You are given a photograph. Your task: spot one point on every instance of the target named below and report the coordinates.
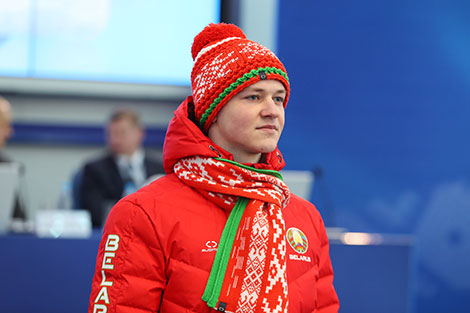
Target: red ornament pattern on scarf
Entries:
(255, 277)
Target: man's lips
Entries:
(268, 127)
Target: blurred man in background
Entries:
(121, 170)
(5, 122)
(6, 131)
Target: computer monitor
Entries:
(299, 182)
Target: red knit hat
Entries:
(225, 63)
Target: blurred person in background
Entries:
(6, 130)
(123, 168)
(5, 123)
(221, 231)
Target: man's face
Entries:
(251, 122)
(5, 124)
(124, 137)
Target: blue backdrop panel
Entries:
(381, 105)
(91, 135)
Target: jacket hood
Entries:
(184, 139)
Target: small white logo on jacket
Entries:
(211, 246)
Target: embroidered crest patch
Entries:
(297, 240)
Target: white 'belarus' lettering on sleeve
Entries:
(103, 281)
(112, 245)
(100, 308)
(107, 260)
(103, 295)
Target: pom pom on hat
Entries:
(225, 63)
(214, 32)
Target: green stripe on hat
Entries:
(234, 85)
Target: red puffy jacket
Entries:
(159, 243)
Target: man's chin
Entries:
(267, 149)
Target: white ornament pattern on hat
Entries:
(205, 49)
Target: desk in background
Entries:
(374, 273)
(54, 275)
(46, 275)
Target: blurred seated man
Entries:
(121, 170)
(5, 133)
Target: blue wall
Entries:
(381, 105)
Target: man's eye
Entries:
(279, 99)
(252, 97)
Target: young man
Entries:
(221, 230)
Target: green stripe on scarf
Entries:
(222, 256)
(216, 278)
(257, 170)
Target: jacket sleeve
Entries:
(130, 266)
(327, 300)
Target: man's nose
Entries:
(270, 108)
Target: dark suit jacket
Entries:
(101, 185)
(18, 210)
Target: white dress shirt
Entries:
(132, 167)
